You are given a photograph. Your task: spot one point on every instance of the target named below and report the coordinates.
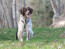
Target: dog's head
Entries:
(26, 11)
(23, 11)
(30, 10)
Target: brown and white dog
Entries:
(21, 23)
(24, 13)
(29, 30)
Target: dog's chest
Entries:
(22, 20)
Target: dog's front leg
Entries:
(20, 37)
(27, 38)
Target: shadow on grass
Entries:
(7, 34)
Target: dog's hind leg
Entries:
(27, 38)
(20, 37)
(29, 35)
(31, 32)
(16, 36)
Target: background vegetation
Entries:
(41, 17)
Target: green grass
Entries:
(44, 38)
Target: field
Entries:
(44, 38)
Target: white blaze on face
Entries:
(27, 14)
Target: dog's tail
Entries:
(16, 34)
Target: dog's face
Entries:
(26, 11)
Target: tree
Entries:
(59, 10)
(14, 13)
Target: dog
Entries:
(29, 30)
(23, 24)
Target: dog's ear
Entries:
(30, 9)
(22, 11)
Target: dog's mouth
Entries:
(28, 15)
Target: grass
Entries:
(44, 38)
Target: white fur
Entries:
(21, 27)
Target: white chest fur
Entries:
(21, 22)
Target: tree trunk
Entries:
(59, 16)
(14, 13)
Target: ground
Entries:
(44, 38)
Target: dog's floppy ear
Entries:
(30, 9)
(22, 11)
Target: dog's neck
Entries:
(22, 17)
